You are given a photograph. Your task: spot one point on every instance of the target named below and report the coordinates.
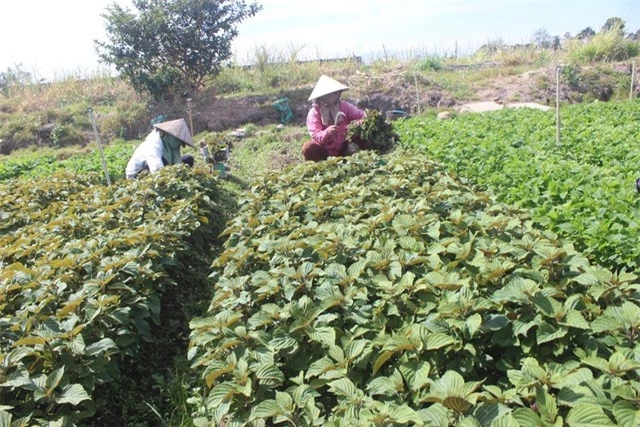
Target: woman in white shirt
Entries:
(160, 148)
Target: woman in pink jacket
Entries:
(327, 121)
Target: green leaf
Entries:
(449, 384)
(521, 328)
(265, 409)
(456, 403)
(398, 343)
(438, 340)
(355, 270)
(626, 413)
(579, 376)
(574, 319)
(548, 333)
(381, 386)
(546, 406)
(436, 415)
(104, 345)
(220, 394)
(404, 415)
(355, 348)
(587, 415)
(5, 419)
(17, 355)
(605, 324)
(320, 366)
(471, 325)
(282, 343)
(54, 378)
(285, 401)
(488, 412)
(381, 360)
(416, 374)
(495, 322)
(343, 387)
(506, 420)
(18, 378)
(269, 375)
(323, 334)
(547, 305)
(526, 417)
(73, 394)
(630, 314)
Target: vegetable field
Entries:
(383, 291)
(479, 275)
(583, 188)
(42, 165)
(83, 270)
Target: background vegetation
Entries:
(54, 114)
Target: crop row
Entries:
(382, 291)
(41, 165)
(83, 269)
(582, 188)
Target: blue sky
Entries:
(55, 38)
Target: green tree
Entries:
(542, 38)
(586, 33)
(13, 77)
(169, 46)
(614, 24)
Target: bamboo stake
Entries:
(415, 76)
(189, 112)
(95, 131)
(633, 79)
(558, 105)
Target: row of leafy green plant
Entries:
(382, 290)
(34, 165)
(582, 188)
(83, 270)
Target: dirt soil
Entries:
(396, 89)
(393, 90)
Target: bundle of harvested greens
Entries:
(375, 129)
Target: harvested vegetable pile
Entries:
(375, 129)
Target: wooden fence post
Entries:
(558, 104)
(633, 79)
(415, 77)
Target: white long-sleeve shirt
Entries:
(148, 154)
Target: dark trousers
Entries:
(315, 152)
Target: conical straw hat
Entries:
(325, 86)
(177, 128)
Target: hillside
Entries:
(404, 87)
(54, 115)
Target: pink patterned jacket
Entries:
(333, 143)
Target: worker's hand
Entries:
(332, 129)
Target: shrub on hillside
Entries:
(604, 46)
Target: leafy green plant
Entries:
(608, 45)
(582, 188)
(380, 290)
(432, 62)
(374, 129)
(73, 311)
(571, 75)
